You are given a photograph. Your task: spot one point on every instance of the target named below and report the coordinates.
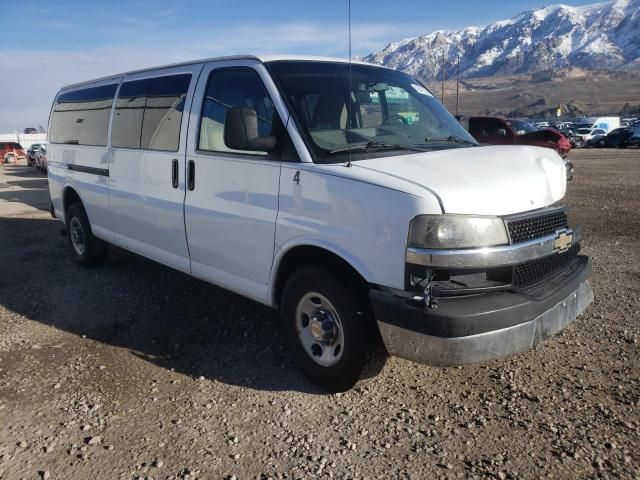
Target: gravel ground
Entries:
(133, 370)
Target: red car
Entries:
(506, 131)
(11, 152)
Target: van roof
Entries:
(260, 58)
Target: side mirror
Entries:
(501, 132)
(241, 132)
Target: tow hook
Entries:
(426, 301)
(430, 302)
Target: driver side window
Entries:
(228, 88)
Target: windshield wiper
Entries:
(451, 139)
(373, 144)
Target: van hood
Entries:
(491, 180)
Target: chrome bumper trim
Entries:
(449, 351)
(488, 257)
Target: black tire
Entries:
(360, 337)
(95, 250)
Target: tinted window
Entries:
(127, 121)
(163, 112)
(226, 89)
(485, 127)
(81, 117)
(149, 113)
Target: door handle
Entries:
(191, 174)
(174, 173)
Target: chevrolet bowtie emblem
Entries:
(562, 241)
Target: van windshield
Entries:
(382, 112)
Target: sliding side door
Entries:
(146, 172)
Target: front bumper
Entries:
(477, 328)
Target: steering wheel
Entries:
(395, 118)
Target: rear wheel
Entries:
(10, 158)
(328, 326)
(89, 250)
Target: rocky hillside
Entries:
(598, 36)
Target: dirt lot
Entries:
(133, 370)
(590, 93)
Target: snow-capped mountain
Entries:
(598, 36)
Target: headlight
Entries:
(456, 231)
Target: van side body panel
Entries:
(85, 169)
(360, 222)
(230, 214)
(146, 209)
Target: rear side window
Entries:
(81, 117)
(228, 88)
(127, 121)
(163, 112)
(149, 113)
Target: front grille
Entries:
(535, 270)
(537, 226)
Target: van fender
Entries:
(308, 241)
(65, 187)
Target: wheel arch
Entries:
(314, 254)
(70, 195)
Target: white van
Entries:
(344, 195)
(607, 124)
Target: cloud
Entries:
(32, 77)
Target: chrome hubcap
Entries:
(77, 236)
(319, 329)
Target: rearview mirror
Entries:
(241, 132)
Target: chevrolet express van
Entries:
(344, 195)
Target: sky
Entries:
(48, 44)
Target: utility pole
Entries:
(457, 83)
(443, 69)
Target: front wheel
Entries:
(89, 250)
(328, 326)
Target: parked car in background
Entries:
(587, 134)
(29, 130)
(41, 158)
(572, 135)
(31, 153)
(562, 125)
(618, 138)
(11, 152)
(505, 131)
